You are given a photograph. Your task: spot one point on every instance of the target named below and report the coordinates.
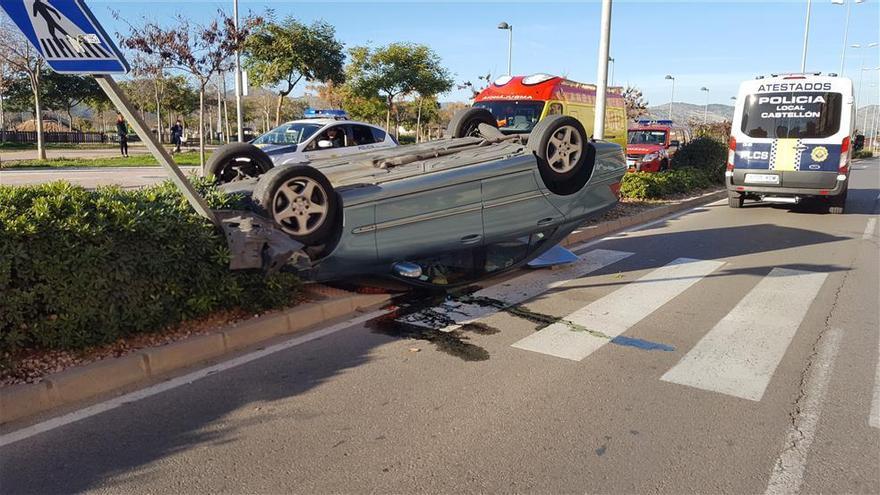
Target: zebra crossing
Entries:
(736, 357)
(62, 48)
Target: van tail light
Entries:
(844, 157)
(731, 154)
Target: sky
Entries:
(709, 44)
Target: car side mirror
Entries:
(325, 143)
(674, 143)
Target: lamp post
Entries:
(845, 30)
(861, 68)
(706, 107)
(806, 37)
(509, 28)
(672, 99)
(602, 71)
(239, 113)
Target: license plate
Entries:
(762, 178)
(630, 163)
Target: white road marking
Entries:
(788, 472)
(514, 291)
(615, 313)
(739, 355)
(115, 402)
(874, 418)
(869, 229)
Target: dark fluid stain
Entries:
(633, 432)
(479, 328)
(601, 450)
(645, 345)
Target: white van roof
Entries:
(795, 82)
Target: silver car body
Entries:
(297, 141)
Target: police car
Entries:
(321, 134)
(791, 139)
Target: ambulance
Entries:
(791, 140)
(518, 103)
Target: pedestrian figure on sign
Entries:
(122, 132)
(177, 135)
(45, 11)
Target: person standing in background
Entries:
(177, 135)
(122, 132)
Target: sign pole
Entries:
(125, 107)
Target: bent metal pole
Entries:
(602, 71)
(119, 99)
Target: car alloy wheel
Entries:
(300, 206)
(564, 149)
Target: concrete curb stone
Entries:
(81, 383)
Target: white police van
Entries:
(321, 134)
(791, 139)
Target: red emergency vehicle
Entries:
(650, 145)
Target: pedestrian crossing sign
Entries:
(67, 35)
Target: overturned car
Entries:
(441, 213)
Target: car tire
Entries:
(664, 166)
(301, 202)
(564, 154)
(837, 204)
(735, 200)
(237, 161)
(466, 123)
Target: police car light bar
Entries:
(311, 113)
(654, 122)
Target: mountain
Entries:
(682, 112)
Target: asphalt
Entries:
(387, 407)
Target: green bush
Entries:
(650, 185)
(703, 153)
(863, 153)
(81, 268)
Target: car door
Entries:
(514, 206)
(313, 152)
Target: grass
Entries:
(185, 159)
(57, 146)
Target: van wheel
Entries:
(301, 201)
(237, 161)
(466, 123)
(564, 154)
(735, 200)
(838, 203)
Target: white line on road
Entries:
(788, 472)
(615, 313)
(514, 291)
(869, 229)
(739, 355)
(874, 418)
(99, 408)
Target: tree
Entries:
(17, 54)
(483, 83)
(6, 76)
(395, 70)
(366, 108)
(636, 105)
(281, 55)
(64, 92)
(201, 51)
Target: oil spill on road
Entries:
(455, 343)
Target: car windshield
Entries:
(646, 137)
(288, 134)
(792, 115)
(515, 116)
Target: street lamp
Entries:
(806, 37)
(671, 100)
(706, 108)
(861, 69)
(602, 71)
(239, 112)
(845, 30)
(509, 29)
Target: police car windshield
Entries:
(647, 137)
(515, 116)
(792, 115)
(288, 134)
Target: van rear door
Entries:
(794, 135)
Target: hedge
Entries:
(81, 268)
(863, 154)
(703, 153)
(650, 185)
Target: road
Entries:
(720, 351)
(91, 177)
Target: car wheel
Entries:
(564, 154)
(664, 165)
(837, 204)
(735, 200)
(466, 123)
(237, 161)
(301, 201)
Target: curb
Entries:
(86, 382)
(81, 383)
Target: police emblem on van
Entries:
(819, 154)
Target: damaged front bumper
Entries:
(256, 243)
